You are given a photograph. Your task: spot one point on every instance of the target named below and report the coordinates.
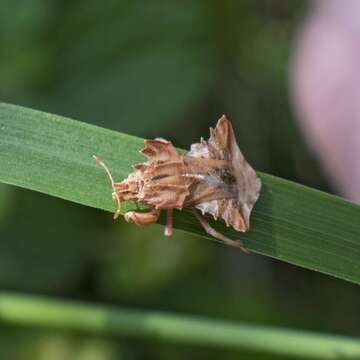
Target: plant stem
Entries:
(103, 320)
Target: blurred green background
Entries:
(169, 69)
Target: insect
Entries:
(212, 178)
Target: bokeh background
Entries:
(169, 69)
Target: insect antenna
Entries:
(114, 194)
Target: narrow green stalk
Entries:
(102, 320)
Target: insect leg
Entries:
(211, 231)
(169, 222)
(142, 218)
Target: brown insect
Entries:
(212, 177)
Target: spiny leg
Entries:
(169, 222)
(211, 231)
(114, 194)
(143, 218)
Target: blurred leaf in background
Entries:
(127, 65)
(170, 70)
(137, 268)
(23, 26)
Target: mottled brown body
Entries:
(212, 177)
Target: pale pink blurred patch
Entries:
(325, 83)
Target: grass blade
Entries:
(291, 222)
(76, 316)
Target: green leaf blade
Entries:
(290, 222)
